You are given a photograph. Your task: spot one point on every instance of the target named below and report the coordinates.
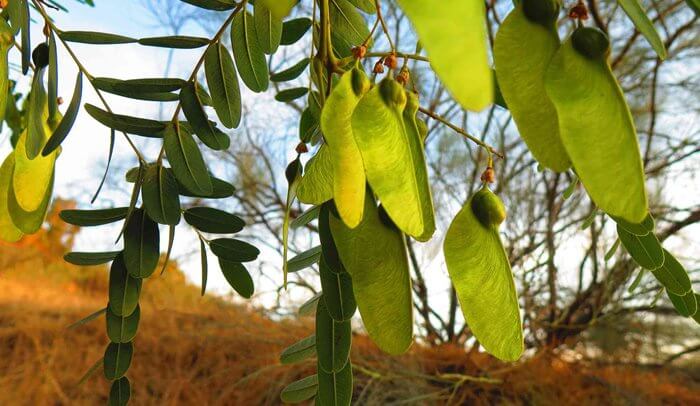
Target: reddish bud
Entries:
(391, 62)
(378, 67)
(578, 12)
(302, 148)
(489, 176)
(404, 76)
(359, 52)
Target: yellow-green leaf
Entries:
(348, 172)
(31, 178)
(394, 159)
(522, 51)
(481, 274)
(8, 230)
(382, 288)
(597, 131)
(268, 26)
(453, 33)
(636, 13)
(316, 186)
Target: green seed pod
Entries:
(360, 82)
(543, 12)
(488, 208)
(590, 42)
(392, 93)
(40, 55)
(293, 171)
(385, 219)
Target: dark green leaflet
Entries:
(210, 220)
(26, 37)
(290, 73)
(294, 93)
(175, 41)
(643, 228)
(120, 392)
(673, 276)
(293, 30)
(238, 277)
(330, 251)
(217, 5)
(205, 264)
(686, 305)
(349, 27)
(308, 126)
(309, 307)
(232, 250)
(299, 351)
(171, 241)
(124, 290)
(160, 195)
(187, 161)
(66, 124)
(53, 78)
(36, 135)
(250, 58)
(268, 28)
(335, 388)
(87, 319)
(644, 249)
(139, 86)
(197, 118)
(141, 245)
(220, 190)
(112, 137)
(117, 360)
(92, 37)
(89, 218)
(122, 329)
(333, 340)
(365, 5)
(337, 293)
(128, 124)
(301, 390)
(90, 258)
(223, 84)
(304, 259)
(306, 217)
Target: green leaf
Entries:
(329, 250)
(301, 390)
(220, 190)
(304, 259)
(250, 58)
(92, 37)
(175, 41)
(91, 218)
(127, 124)
(133, 87)
(120, 392)
(309, 307)
(449, 30)
(66, 124)
(335, 388)
(612, 250)
(646, 249)
(299, 351)
(53, 78)
(337, 293)
(159, 193)
(365, 5)
(348, 172)
(673, 276)
(28, 221)
(25, 22)
(112, 139)
(333, 340)
(6, 43)
(308, 126)
(290, 73)
(232, 250)
(90, 258)
(268, 28)
(293, 30)
(305, 217)
(645, 227)
(382, 289)
(14, 13)
(393, 157)
(480, 272)
(171, 241)
(522, 51)
(238, 277)
(122, 329)
(294, 93)
(117, 360)
(223, 84)
(36, 119)
(686, 305)
(187, 161)
(125, 88)
(210, 220)
(216, 5)
(141, 245)
(636, 13)
(197, 118)
(316, 185)
(637, 280)
(349, 26)
(88, 318)
(9, 232)
(205, 266)
(31, 178)
(598, 133)
(124, 290)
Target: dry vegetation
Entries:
(194, 350)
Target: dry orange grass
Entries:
(205, 351)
